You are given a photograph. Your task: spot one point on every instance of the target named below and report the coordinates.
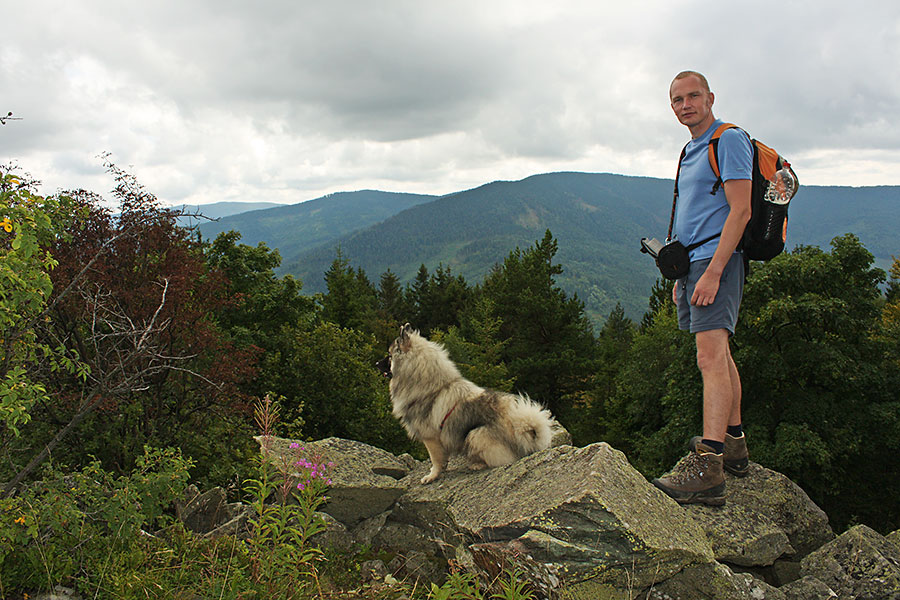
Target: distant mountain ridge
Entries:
(297, 228)
(597, 218)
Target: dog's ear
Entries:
(405, 332)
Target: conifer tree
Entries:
(390, 297)
(550, 348)
(477, 348)
(351, 297)
(660, 300)
(438, 299)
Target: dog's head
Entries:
(400, 345)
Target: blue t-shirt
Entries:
(699, 214)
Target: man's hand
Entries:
(706, 289)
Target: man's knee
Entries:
(712, 350)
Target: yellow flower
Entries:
(6, 224)
(20, 521)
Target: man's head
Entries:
(692, 101)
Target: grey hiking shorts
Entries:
(723, 312)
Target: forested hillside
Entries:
(820, 213)
(598, 219)
(298, 228)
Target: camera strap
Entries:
(675, 194)
(675, 201)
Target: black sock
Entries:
(735, 431)
(717, 447)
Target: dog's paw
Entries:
(430, 477)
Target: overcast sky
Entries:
(288, 100)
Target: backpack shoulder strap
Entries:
(713, 151)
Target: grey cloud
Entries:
(268, 97)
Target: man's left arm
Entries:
(737, 194)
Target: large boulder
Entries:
(894, 537)
(334, 535)
(808, 588)
(210, 515)
(591, 521)
(713, 581)
(201, 512)
(858, 564)
(766, 517)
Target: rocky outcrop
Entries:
(365, 479)
(768, 524)
(766, 517)
(858, 564)
(581, 523)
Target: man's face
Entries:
(691, 102)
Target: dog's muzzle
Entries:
(384, 365)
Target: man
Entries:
(708, 298)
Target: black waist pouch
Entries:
(673, 260)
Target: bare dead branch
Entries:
(159, 308)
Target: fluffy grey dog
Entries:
(451, 415)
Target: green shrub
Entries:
(73, 527)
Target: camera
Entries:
(651, 246)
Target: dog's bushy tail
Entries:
(531, 425)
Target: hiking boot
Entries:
(697, 478)
(737, 459)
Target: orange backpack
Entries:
(774, 184)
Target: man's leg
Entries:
(721, 384)
(735, 417)
(737, 458)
